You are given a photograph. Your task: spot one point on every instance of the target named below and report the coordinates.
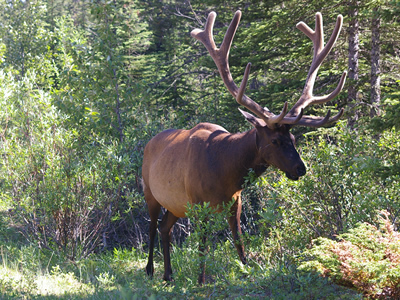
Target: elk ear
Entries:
(256, 122)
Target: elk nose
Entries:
(301, 170)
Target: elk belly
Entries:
(169, 190)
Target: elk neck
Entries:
(240, 155)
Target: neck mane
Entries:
(240, 155)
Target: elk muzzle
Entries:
(299, 171)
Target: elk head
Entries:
(275, 143)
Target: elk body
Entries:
(208, 164)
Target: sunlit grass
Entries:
(56, 283)
(29, 273)
(121, 275)
(59, 283)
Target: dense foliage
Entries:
(367, 258)
(85, 84)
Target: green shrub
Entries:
(347, 180)
(62, 194)
(204, 222)
(366, 258)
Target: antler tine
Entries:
(329, 97)
(320, 53)
(293, 120)
(220, 57)
(272, 119)
(312, 121)
(205, 36)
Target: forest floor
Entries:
(29, 273)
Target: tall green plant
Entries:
(64, 194)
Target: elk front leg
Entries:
(234, 223)
(166, 225)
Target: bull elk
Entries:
(208, 164)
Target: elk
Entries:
(208, 164)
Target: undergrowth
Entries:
(121, 275)
(366, 258)
(27, 272)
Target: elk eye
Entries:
(275, 142)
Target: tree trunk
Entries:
(375, 63)
(354, 47)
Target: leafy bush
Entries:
(207, 228)
(366, 258)
(345, 184)
(63, 194)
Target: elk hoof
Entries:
(202, 279)
(150, 270)
(168, 277)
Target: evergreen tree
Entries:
(375, 61)
(26, 38)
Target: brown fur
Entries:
(208, 164)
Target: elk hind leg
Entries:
(234, 223)
(154, 211)
(166, 226)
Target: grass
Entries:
(29, 273)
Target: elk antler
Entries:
(295, 116)
(220, 57)
(320, 53)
